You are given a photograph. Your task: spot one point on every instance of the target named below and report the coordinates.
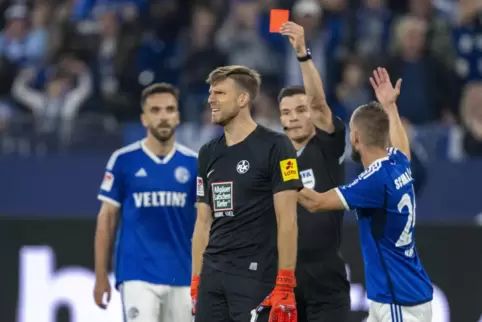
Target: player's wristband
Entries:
(304, 58)
(286, 278)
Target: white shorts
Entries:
(145, 302)
(380, 312)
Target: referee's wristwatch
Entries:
(305, 57)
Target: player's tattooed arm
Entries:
(318, 202)
(285, 208)
(201, 236)
(387, 96)
(321, 112)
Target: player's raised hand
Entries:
(102, 288)
(296, 36)
(384, 90)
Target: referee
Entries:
(322, 292)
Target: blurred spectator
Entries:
(21, 42)
(64, 36)
(467, 141)
(165, 18)
(6, 114)
(448, 8)
(467, 35)
(427, 92)
(334, 6)
(266, 112)
(8, 72)
(129, 44)
(156, 58)
(197, 58)
(239, 39)
(372, 28)
(57, 106)
(114, 67)
(194, 135)
(468, 11)
(353, 90)
(83, 9)
(419, 159)
(472, 119)
(219, 7)
(438, 35)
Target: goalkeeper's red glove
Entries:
(281, 300)
(194, 288)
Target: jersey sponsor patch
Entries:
(308, 178)
(200, 187)
(107, 182)
(289, 169)
(222, 196)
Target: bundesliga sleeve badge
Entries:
(200, 187)
(107, 182)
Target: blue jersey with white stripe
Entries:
(384, 199)
(157, 199)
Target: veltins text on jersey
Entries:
(159, 199)
(223, 199)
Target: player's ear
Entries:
(354, 140)
(143, 119)
(178, 118)
(243, 99)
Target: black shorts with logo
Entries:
(223, 297)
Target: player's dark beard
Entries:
(161, 137)
(355, 155)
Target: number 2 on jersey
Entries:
(406, 235)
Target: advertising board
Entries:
(47, 268)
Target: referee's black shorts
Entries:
(223, 297)
(322, 292)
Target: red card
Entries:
(278, 17)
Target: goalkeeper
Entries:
(244, 243)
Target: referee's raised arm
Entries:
(321, 112)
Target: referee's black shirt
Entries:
(321, 167)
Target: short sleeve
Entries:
(398, 156)
(201, 182)
(111, 188)
(283, 166)
(336, 140)
(366, 191)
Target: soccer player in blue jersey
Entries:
(148, 207)
(383, 196)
